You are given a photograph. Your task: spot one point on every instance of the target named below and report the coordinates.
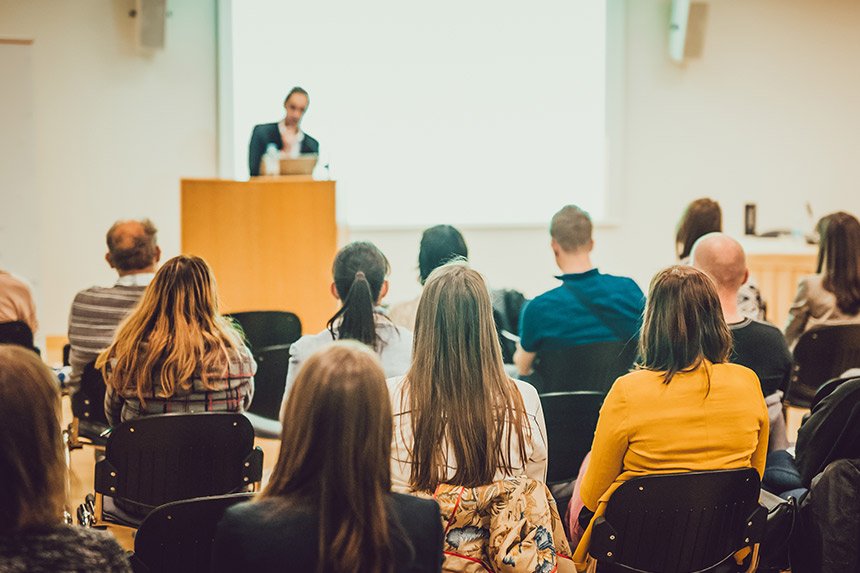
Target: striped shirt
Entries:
(95, 315)
(232, 392)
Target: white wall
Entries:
(768, 115)
(115, 130)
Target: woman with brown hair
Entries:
(686, 408)
(458, 418)
(328, 506)
(701, 217)
(33, 470)
(832, 296)
(175, 352)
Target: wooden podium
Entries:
(270, 242)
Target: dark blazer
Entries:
(265, 536)
(267, 133)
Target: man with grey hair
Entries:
(97, 311)
(757, 345)
(588, 307)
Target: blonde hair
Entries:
(458, 391)
(174, 334)
(32, 465)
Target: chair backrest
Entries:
(679, 523)
(158, 459)
(583, 367)
(264, 328)
(178, 536)
(16, 332)
(88, 402)
(270, 380)
(821, 354)
(571, 418)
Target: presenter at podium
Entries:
(285, 134)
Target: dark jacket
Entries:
(266, 536)
(267, 133)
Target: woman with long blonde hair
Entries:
(175, 352)
(328, 506)
(458, 418)
(33, 470)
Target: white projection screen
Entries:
(485, 112)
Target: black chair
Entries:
(177, 536)
(88, 411)
(583, 367)
(264, 328)
(18, 333)
(269, 384)
(159, 459)
(821, 354)
(679, 523)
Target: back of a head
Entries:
(701, 217)
(722, 258)
(32, 467)
(132, 245)
(175, 332)
(336, 452)
(359, 272)
(439, 245)
(457, 384)
(571, 228)
(839, 259)
(683, 323)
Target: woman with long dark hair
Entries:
(832, 296)
(175, 352)
(360, 272)
(685, 408)
(328, 506)
(33, 473)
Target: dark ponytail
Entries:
(359, 272)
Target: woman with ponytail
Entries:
(359, 271)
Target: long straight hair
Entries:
(174, 334)
(359, 271)
(701, 217)
(683, 323)
(337, 457)
(32, 466)
(457, 388)
(839, 259)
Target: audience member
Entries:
(16, 301)
(458, 418)
(33, 538)
(832, 432)
(360, 270)
(757, 345)
(704, 216)
(588, 307)
(328, 505)
(832, 296)
(439, 245)
(97, 311)
(175, 352)
(687, 408)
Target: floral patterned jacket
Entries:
(508, 526)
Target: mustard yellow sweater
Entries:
(647, 427)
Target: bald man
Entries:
(757, 345)
(97, 311)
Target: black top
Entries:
(265, 536)
(832, 431)
(267, 133)
(761, 347)
(61, 548)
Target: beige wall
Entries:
(115, 130)
(768, 115)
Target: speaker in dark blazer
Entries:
(267, 133)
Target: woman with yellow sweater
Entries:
(685, 408)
